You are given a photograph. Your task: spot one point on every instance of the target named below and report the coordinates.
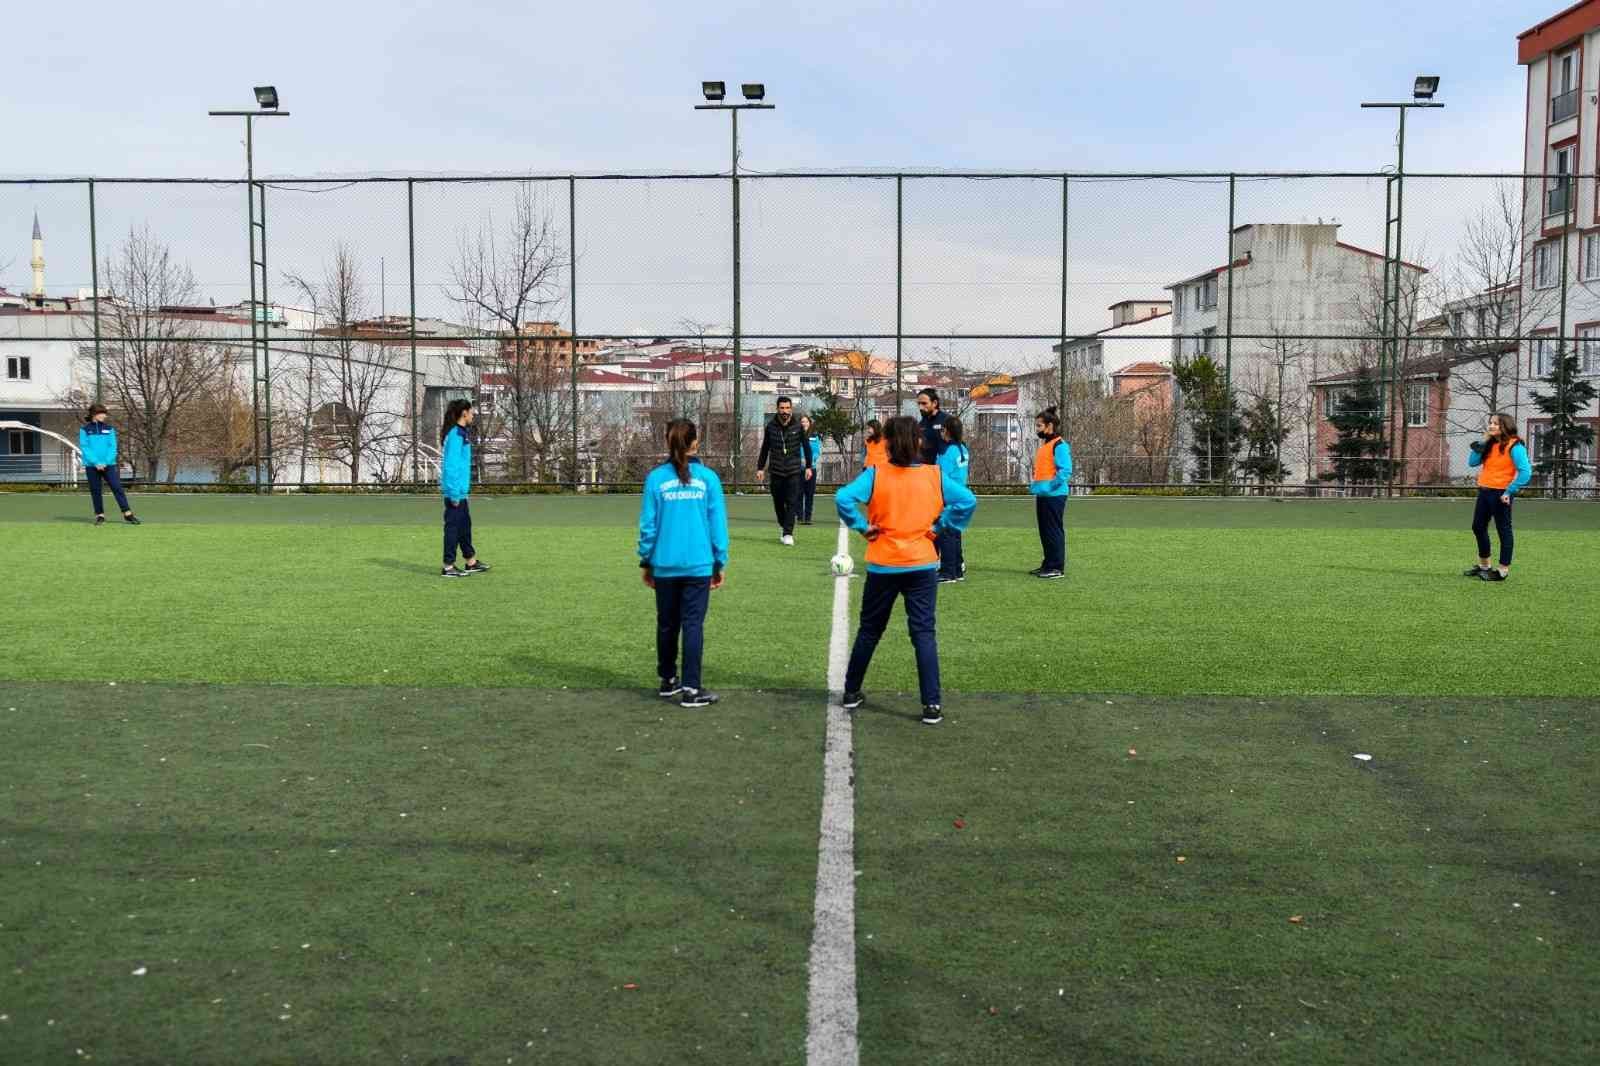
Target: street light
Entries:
(260, 343)
(1422, 91)
(754, 93)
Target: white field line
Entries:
(832, 1014)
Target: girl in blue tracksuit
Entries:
(1052, 469)
(683, 551)
(97, 444)
(954, 463)
(808, 488)
(455, 482)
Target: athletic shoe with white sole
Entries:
(451, 571)
(932, 714)
(132, 520)
(787, 539)
(1492, 574)
(99, 519)
(479, 567)
(1474, 571)
(852, 700)
(698, 697)
(1049, 575)
(670, 687)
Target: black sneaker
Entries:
(932, 714)
(99, 519)
(1492, 574)
(1474, 571)
(132, 520)
(479, 567)
(1050, 575)
(1036, 571)
(852, 700)
(945, 579)
(451, 571)
(698, 697)
(670, 687)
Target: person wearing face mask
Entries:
(1052, 467)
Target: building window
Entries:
(1544, 356)
(1458, 323)
(1207, 342)
(1589, 257)
(1544, 445)
(1544, 265)
(1334, 401)
(23, 442)
(1483, 322)
(1208, 292)
(19, 368)
(1564, 88)
(1416, 403)
(1589, 350)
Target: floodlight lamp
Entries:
(267, 97)
(714, 90)
(754, 90)
(1426, 85)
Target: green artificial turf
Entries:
(1446, 890)
(315, 875)
(1255, 597)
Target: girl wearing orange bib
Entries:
(1503, 468)
(877, 447)
(900, 508)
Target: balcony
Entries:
(1558, 198)
(1564, 106)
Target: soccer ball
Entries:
(842, 565)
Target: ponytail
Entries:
(1050, 418)
(452, 418)
(681, 436)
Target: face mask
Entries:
(1045, 434)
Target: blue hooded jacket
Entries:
(954, 462)
(98, 443)
(683, 529)
(455, 473)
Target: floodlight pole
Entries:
(738, 428)
(259, 348)
(1389, 306)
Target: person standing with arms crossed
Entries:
(455, 484)
(1052, 469)
(785, 448)
(900, 508)
(954, 464)
(97, 445)
(1503, 468)
(683, 551)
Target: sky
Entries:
(501, 87)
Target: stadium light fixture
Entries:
(267, 97)
(754, 91)
(1426, 85)
(714, 90)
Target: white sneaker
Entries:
(787, 539)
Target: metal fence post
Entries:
(572, 296)
(1061, 363)
(266, 339)
(1227, 348)
(411, 269)
(94, 282)
(899, 285)
(738, 425)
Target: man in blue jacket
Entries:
(455, 484)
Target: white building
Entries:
(1140, 332)
(1296, 289)
(1561, 209)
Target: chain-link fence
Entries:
(1264, 333)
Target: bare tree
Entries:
(351, 396)
(1487, 309)
(155, 360)
(506, 275)
(1418, 290)
(1280, 381)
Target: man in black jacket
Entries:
(933, 441)
(788, 450)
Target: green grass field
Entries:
(337, 809)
